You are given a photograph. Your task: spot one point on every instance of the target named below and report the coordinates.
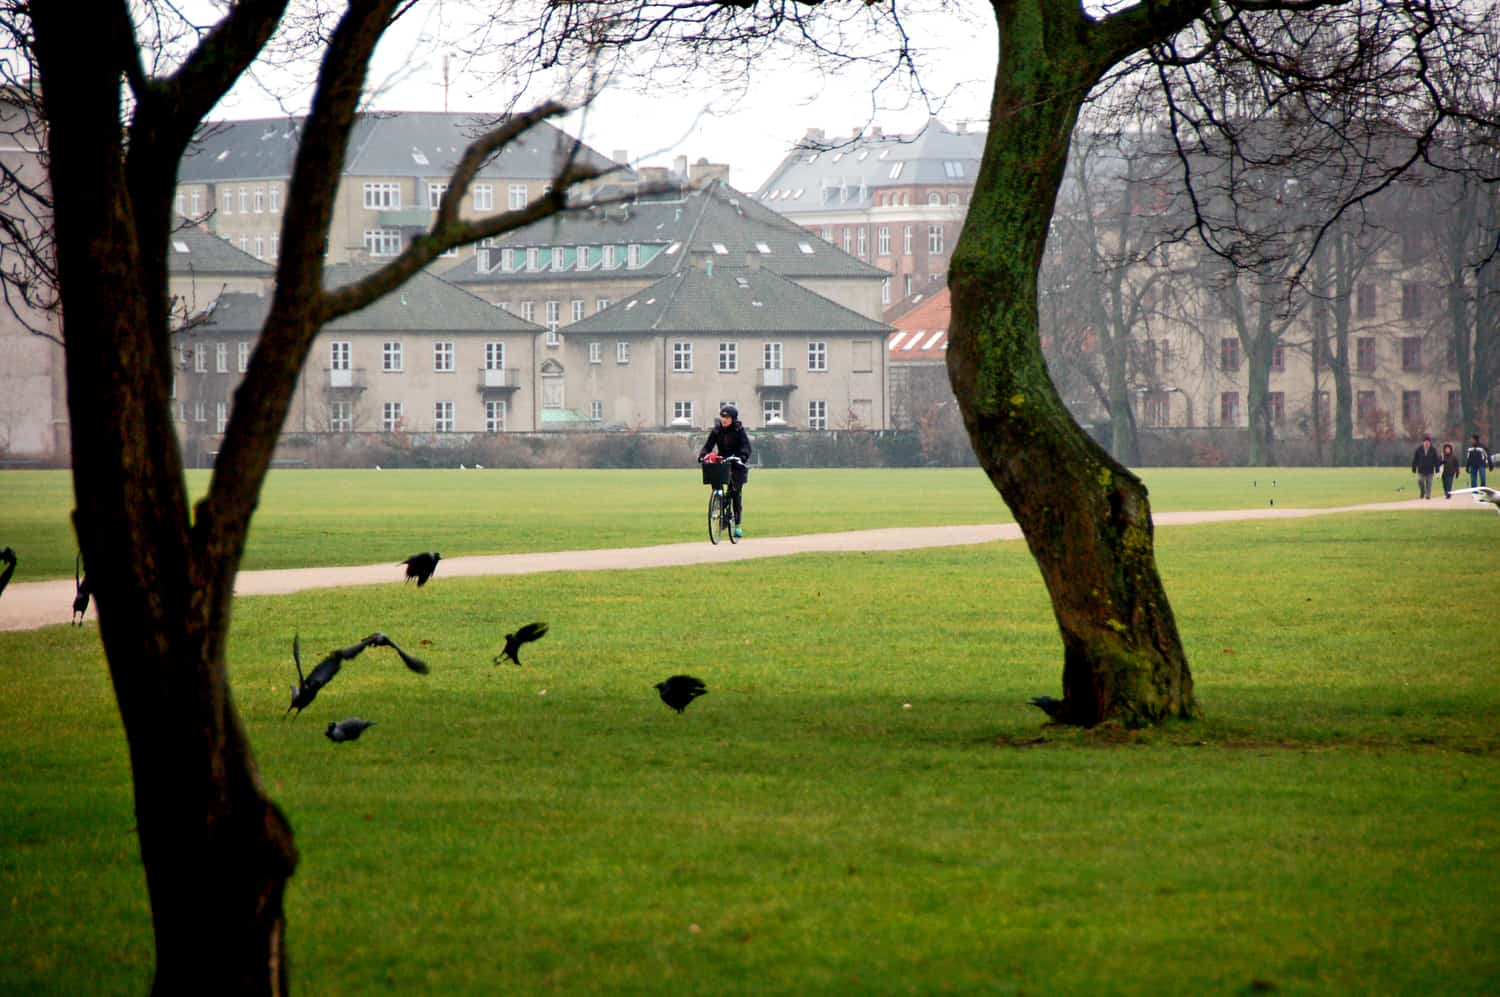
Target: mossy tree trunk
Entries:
(1086, 518)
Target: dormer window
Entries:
(633, 255)
(559, 257)
(611, 257)
(533, 259)
(762, 248)
(583, 257)
(507, 260)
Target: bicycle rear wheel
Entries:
(716, 515)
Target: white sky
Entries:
(956, 54)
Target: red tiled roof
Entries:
(921, 333)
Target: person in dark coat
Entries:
(1476, 461)
(1450, 469)
(730, 439)
(1424, 464)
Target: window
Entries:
(494, 417)
(935, 239)
(1278, 357)
(1364, 302)
(1325, 409)
(435, 192)
(817, 356)
(633, 255)
(228, 209)
(559, 257)
(827, 233)
(773, 411)
(260, 247)
(1229, 353)
(528, 310)
(382, 195)
(221, 358)
(494, 356)
(391, 417)
(242, 359)
(341, 417)
(1364, 407)
(390, 356)
(906, 241)
(611, 257)
(577, 309)
(275, 245)
(596, 352)
(1364, 355)
(554, 315)
(622, 352)
(682, 412)
(1455, 408)
(906, 285)
(533, 259)
(200, 359)
(1411, 301)
(442, 357)
(883, 241)
(1156, 408)
(771, 354)
(1411, 353)
(596, 410)
(682, 357)
(552, 338)
(442, 417)
(196, 200)
(817, 414)
(1229, 408)
(244, 201)
(199, 412)
(1276, 407)
(600, 304)
(848, 238)
(507, 260)
(729, 358)
(863, 249)
(934, 199)
(484, 197)
(221, 416)
(1411, 407)
(885, 291)
(953, 168)
(553, 392)
(258, 201)
(383, 241)
(517, 195)
(582, 257)
(896, 170)
(338, 356)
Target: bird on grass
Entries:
(306, 689)
(8, 558)
(1050, 705)
(81, 591)
(523, 635)
(421, 566)
(1482, 494)
(347, 730)
(680, 690)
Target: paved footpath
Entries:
(26, 606)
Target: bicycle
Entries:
(720, 506)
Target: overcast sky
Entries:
(955, 53)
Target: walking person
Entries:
(731, 439)
(1424, 464)
(1450, 469)
(1476, 461)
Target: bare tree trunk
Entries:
(1085, 517)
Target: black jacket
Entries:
(1475, 458)
(1426, 461)
(731, 441)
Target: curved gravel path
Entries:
(26, 606)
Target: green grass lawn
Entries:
(314, 518)
(864, 802)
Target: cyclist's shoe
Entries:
(737, 532)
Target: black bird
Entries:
(80, 591)
(7, 556)
(680, 690)
(347, 730)
(421, 566)
(523, 635)
(306, 689)
(1050, 705)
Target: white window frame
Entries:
(484, 197)
(935, 240)
(273, 196)
(221, 416)
(495, 412)
(442, 357)
(600, 304)
(772, 408)
(906, 240)
(682, 357)
(729, 357)
(228, 208)
(516, 196)
(383, 241)
(596, 352)
(200, 411)
(596, 410)
(559, 257)
(391, 416)
(244, 201)
(392, 357)
(382, 195)
(494, 355)
(622, 352)
(258, 201)
(577, 309)
(442, 417)
(435, 192)
(883, 241)
(339, 355)
(817, 355)
(611, 257)
(817, 414)
(633, 256)
(682, 411)
(242, 357)
(772, 356)
(554, 315)
(340, 417)
(200, 359)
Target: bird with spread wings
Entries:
(307, 687)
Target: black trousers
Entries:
(737, 477)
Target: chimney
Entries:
(679, 166)
(652, 175)
(703, 172)
(702, 259)
(752, 260)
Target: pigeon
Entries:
(81, 591)
(1050, 705)
(1481, 494)
(8, 558)
(306, 689)
(347, 730)
(680, 690)
(523, 635)
(421, 566)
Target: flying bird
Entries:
(347, 730)
(523, 635)
(1050, 705)
(81, 591)
(306, 689)
(421, 566)
(8, 557)
(1481, 494)
(680, 690)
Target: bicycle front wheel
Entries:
(715, 515)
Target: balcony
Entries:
(345, 379)
(775, 379)
(499, 378)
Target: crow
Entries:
(306, 689)
(680, 690)
(421, 566)
(347, 730)
(8, 557)
(81, 591)
(1050, 705)
(523, 635)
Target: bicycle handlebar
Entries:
(722, 460)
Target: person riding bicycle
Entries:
(731, 439)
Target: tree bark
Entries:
(1086, 518)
